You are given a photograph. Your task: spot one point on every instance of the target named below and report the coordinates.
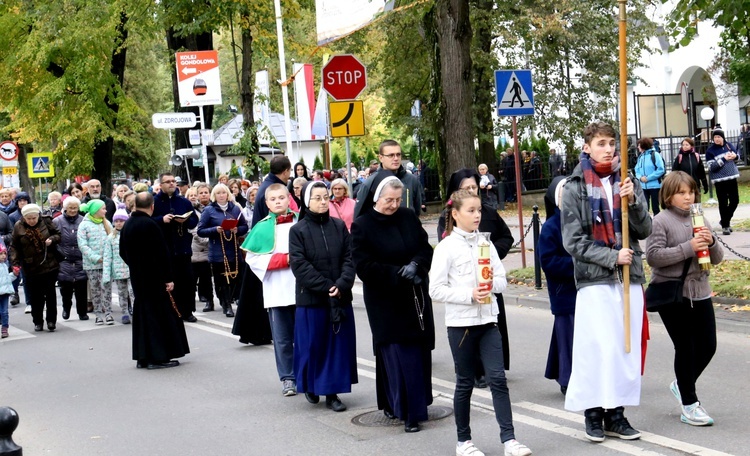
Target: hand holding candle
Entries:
(484, 269)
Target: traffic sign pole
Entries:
(348, 167)
(518, 191)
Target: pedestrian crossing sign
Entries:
(515, 96)
(40, 164)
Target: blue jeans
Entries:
(4, 310)
(282, 332)
(465, 343)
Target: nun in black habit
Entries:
(500, 236)
(392, 256)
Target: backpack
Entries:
(653, 160)
(697, 158)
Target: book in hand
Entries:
(228, 224)
(184, 216)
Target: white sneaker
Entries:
(467, 449)
(28, 310)
(675, 391)
(515, 448)
(695, 415)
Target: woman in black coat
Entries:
(325, 342)
(392, 257)
(500, 236)
(72, 278)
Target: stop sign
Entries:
(344, 77)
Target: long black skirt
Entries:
(403, 378)
(560, 356)
(251, 319)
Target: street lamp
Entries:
(707, 114)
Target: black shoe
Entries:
(83, 317)
(594, 427)
(388, 414)
(141, 364)
(334, 403)
(412, 427)
(202, 298)
(726, 231)
(38, 328)
(312, 398)
(190, 318)
(616, 425)
(51, 326)
(65, 314)
(164, 365)
(564, 390)
(480, 382)
(229, 312)
(209, 307)
(14, 300)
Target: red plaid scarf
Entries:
(606, 222)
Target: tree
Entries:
(734, 16)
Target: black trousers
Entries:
(728, 195)
(41, 289)
(80, 290)
(652, 198)
(692, 329)
(184, 285)
(202, 275)
(226, 286)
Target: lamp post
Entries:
(707, 114)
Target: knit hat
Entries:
(718, 132)
(120, 213)
(30, 209)
(2, 248)
(92, 207)
(23, 196)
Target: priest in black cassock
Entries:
(158, 331)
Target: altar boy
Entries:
(267, 249)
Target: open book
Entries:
(184, 216)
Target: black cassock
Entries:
(158, 332)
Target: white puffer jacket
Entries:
(453, 277)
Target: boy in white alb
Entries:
(267, 248)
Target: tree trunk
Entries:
(23, 171)
(453, 29)
(247, 87)
(103, 149)
(483, 80)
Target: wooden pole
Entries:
(624, 167)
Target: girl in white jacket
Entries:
(471, 316)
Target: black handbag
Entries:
(663, 294)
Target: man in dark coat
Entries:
(169, 213)
(281, 169)
(95, 192)
(158, 332)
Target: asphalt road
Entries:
(78, 393)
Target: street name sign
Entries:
(172, 120)
(344, 77)
(515, 96)
(198, 80)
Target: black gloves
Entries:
(409, 272)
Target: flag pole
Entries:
(624, 167)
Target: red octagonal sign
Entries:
(344, 77)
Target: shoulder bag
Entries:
(663, 294)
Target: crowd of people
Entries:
(288, 249)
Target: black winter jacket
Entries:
(320, 255)
(71, 263)
(6, 229)
(25, 254)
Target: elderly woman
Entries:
(392, 257)
(342, 206)
(488, 186)
(55, 205)
(325, 354)
(223, 247)
(34, 240)
(72, 278)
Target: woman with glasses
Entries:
(325, 354)
(342, 207)
(392, 256)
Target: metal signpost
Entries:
(515, 97)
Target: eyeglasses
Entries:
(169, 181)
(318, 199)
(390, 201)
(471, 188)
(392, 156)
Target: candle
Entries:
(484, 269)
(704, 257)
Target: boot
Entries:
(14, 300)
(209, 305)
(226, 303)
(594, 427)
(229, 313)
(616, 425)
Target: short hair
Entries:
(203, 185)
(690, 141)
(58, 195)
(595, 129)
(70, 200)
(671, 185)
(275, 188)
(6, 190)
(190, 191)
(221, 187)
(279, 164)
(161, 176)
(231, 182)
(645, 143)
(387, 143)
(341, 182)
(482, 165)
(299, 181)
(144, 200)
(119, 187)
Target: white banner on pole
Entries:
(320, 120)
(336, 18)
(261, 109)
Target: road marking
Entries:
(15, 333)
(84, 325)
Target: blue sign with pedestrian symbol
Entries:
(40, 164)
(515, 96)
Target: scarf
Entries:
(262, 238)
(606, 222)
(100, 221)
